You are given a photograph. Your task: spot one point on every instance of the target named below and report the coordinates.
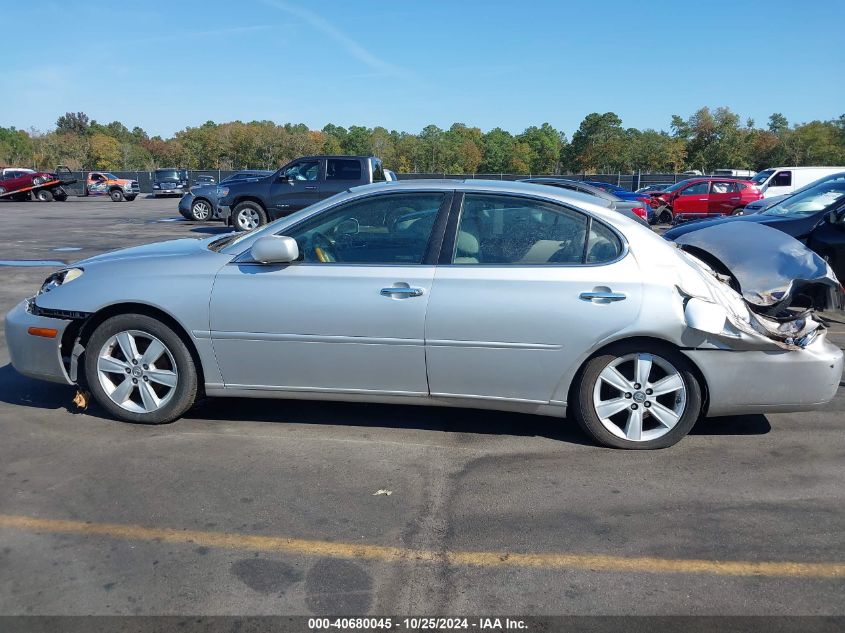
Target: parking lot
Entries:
(270, 507)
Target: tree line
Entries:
(706, 140)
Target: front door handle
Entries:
(401, 291)
(603, 296)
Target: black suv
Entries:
(302, 182)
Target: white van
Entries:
(776, 181)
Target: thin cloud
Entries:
(335, 34)
(231, 31)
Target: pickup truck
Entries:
(248, 204)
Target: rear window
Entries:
(378, 172)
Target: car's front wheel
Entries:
(116, 195)
(637, 396)
(248, 216)
(139, 370)
(200, 210)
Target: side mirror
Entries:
(274, 249)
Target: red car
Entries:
(696, 198)
(17, 183)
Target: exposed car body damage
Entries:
(768, 283)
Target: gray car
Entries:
(625, 207)
(507, 296)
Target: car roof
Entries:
(720, 178)
(490, 186)
(334, 156)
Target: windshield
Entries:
(170, 174)
(675, 187)
(823, 197)
(762, 176)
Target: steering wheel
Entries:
(323, 248)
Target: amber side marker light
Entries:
(46, 332)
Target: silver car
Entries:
(494, 295)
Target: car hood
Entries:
(770, 267)
(697, 225)
(171, 248)
(204, 189)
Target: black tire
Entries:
(116, 195)
(254, 210)
(130, 198)
(739, 211)
(200, 210)
(665, 217)
(584, 411)
(44, 195)
(185, 391)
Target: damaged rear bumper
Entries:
(770, 381)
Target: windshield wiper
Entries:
(221, 243)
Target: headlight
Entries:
(222, 192)
(60, 278)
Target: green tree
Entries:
(105, 151)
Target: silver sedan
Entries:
(494, 295)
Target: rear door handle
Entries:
(401, 291)
(603, 296)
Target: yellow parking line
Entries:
(383, 553)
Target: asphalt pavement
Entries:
(275, 507)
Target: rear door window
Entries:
(509, 230)
(343, 169)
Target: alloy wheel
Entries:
(639, 397)
(137, 371)
(248, 219)
(201, 210)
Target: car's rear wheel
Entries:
(637, 396)
(200, 210)
(248, 216)
(116, 195)
(44, 195)
(140, 370)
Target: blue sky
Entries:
(404, 64)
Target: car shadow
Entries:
(27, 392)
(22, 391)
(388, 416)
(212, 230)
(754, 424)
